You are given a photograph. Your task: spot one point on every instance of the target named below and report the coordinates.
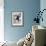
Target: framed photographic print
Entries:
(17, 18)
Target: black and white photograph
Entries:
(17, 18)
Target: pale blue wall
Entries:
(43, 6)
(29, 7)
